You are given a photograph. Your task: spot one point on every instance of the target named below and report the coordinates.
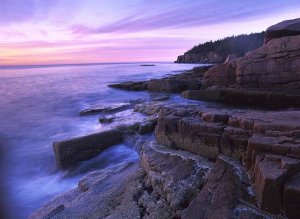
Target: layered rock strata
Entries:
(255, 98)
(267, 143)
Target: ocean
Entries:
(40, 105)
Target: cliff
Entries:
(218, 51)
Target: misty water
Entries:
(41, 105)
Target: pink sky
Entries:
(92, 31)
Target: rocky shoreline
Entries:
(203, 161)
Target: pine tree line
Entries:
(238, 45)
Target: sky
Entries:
(37, 32)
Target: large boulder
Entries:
(284, 28)
(68, 152)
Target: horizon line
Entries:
(76, 64)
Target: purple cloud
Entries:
(188, 14)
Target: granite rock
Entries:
(284, 28)
(226, 194)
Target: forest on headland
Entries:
(217, 51)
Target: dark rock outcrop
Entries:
(70, 151)
(284, 28)
(147, 126)
(131, 85)
(189, 80)
(211, 57)
(112, 108)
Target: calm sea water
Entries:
(40, 105)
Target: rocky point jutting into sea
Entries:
(238, 160)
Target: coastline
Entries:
(241, 159)
(139, 174)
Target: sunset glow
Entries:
(67, 31)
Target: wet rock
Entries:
(175, 182)
(131, 85)
(284, 28)
(161, 98)
(225, 193)
(111, 108)
(174, 175)
(126, 191)
(109, 193)
(148, 126)
(106, 119)
(70, 151)
(150, 108)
